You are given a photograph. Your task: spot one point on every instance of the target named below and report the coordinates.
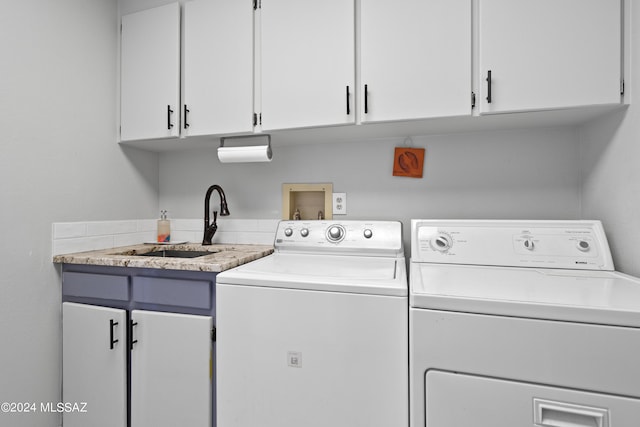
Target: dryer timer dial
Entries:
(441, 243)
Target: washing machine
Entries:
(521, 323)
(316, 334)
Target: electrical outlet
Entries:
(339, 203)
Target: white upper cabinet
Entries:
(548, 54)
(307, 63)
(218, 67)
(415, 59)
(150, 74)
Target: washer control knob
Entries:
(528, 244)
(288, 232)
(584, 246)
(335, 233)
(304, 232)
(368, 233)
(442, 243)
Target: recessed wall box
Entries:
(307, 201)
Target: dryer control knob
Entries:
(368, 233)
(441, 243)
(304, 232)
(528, 244)
(584, 246)
(288, 232)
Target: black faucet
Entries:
(210, 229)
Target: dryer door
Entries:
(466, 400)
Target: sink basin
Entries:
(173, 253)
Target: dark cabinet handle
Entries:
(169, 111)
(112, 342)
(489, 86)
(186, 110)
(348, 108)
(131, 325)
(366, 99)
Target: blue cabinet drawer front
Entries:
(176, 292)
(101, 286)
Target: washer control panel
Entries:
(551, 244)
(370, 237)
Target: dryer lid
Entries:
(599, 297)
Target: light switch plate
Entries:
(339, 203)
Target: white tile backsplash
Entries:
(134, 238)
(147, 225)
(108, 228)
(187, 224)
(89, 243)
(67, 230)
(70, 237)
(268, 225)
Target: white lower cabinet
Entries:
(171, 367)
(94, 365)
(171, 370)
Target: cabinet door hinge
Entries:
(622, 87)
(473, 100)
(213, 334)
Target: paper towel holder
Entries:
(254, 153)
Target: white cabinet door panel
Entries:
(171, 370)
(150, 74)
(416, 59)
(93, 369)
(307, 63)
(218, 67)
(547, 54)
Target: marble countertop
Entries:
(223, 257)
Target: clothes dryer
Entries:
(521, 323)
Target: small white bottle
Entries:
(164, 228)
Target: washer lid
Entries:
(599, 297)
(353, 274)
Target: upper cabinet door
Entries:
(415, 59)
(150, 74)
(546, 54)
(218, 67)
(308, 63)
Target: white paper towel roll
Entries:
(257, 153)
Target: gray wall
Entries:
(502, 174)
(58, 162)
